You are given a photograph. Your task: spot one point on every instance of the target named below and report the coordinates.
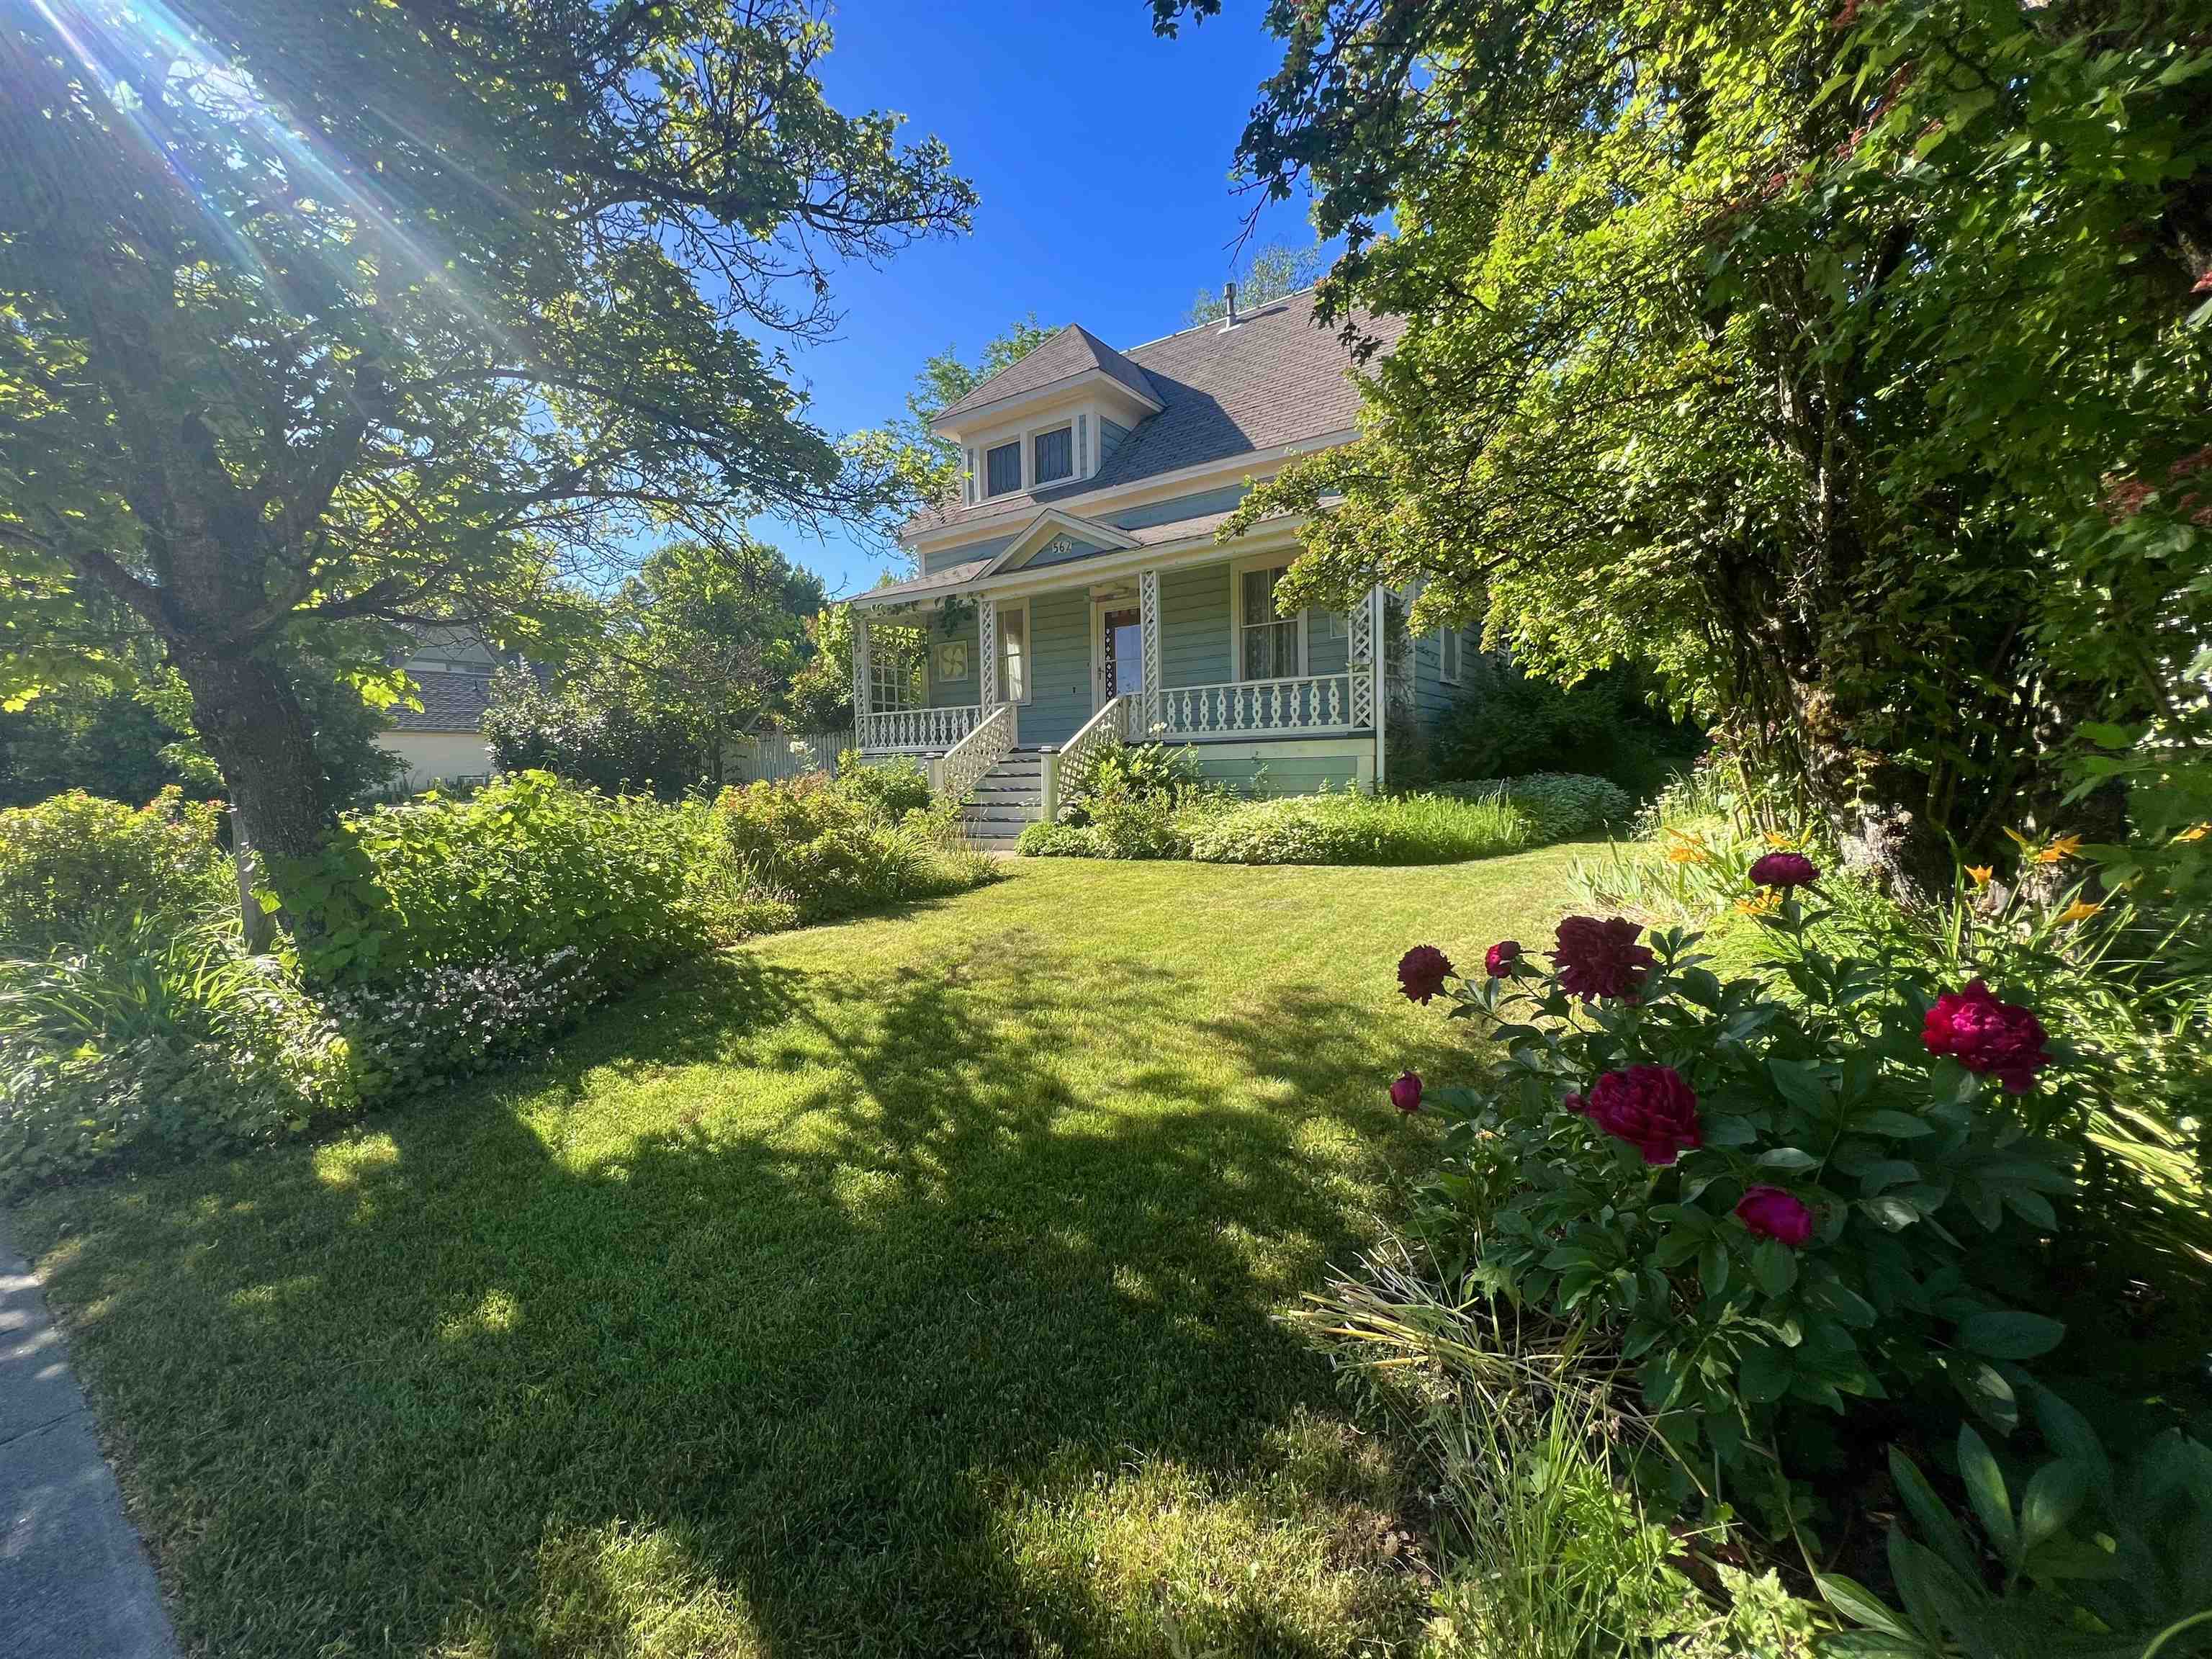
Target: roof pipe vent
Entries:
(1228, 292)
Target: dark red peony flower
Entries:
(1997, 1039)
(1406, 1092)
(1785, 870)
(1575, 1103)
(1601, 958)
(1422, 972)
(1650, 1107)
(1772, 1213)
(1497, 961)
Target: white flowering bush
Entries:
(461, 1017)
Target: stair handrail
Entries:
(963, 766)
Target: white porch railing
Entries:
(961, 767)
(1110, 724)
(925, 730)
(1319, 703)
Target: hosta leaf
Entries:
(2054, 1493)
(1985, 1490)
(1931, 1515)
(2009, 1334)
(1856, 1603)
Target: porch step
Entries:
(1006, 800)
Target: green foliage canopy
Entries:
(1849, 367)
(401, 312)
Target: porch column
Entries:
(859, 678)
(1375, 671)
(987, 622)
(1148, 614)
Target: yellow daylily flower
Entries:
(1760, 904)
(2065, 846)
(2080, 911)
(1776, 838)
(1981, 873)
(2195, 832)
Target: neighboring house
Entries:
(443, 741)
(1074, 590)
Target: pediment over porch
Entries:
(1053, 537)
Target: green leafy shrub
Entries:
(148, 1036)
(890, 788)
(814, 850)
(1563, 804)
(1057, 841)
(1772, 1205)
(2090, 1555)
(1357, 829)
(589, 731)
(75, 858)
(526, 867)
(1145, 773)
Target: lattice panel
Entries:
(1360, 651)
(860, 675)
(1148, 611)
(987, 612)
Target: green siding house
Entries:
(1075, 591)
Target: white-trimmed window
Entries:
(1052, 455)
(1014, 675)
(1448, 650)
(1268, 646)
(891, 680)
(1002, 469)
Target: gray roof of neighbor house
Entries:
(1274, 379)
(451, 702)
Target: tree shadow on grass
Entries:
(779, 1311)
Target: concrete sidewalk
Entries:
(74, 1581)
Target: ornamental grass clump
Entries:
(1771, 1209)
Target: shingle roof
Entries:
(1274, 379)
(1074, 350)
(950, 576)
(451, 702)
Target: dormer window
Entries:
(1053, 454)
(1002, 469)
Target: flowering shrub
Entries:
(1769, 1205)
(74, 857)
(461, 1017)
(810, 850)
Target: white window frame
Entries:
(889, 690)
(1029, 451)
(1452, 648)
(1007, 608)
(1282, 561)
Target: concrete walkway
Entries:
(74, 1581)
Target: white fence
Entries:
(770, 755)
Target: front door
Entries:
(1117, 639)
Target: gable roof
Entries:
(1074, 350)
(1275, 379)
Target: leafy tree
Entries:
(925, 468)
(822, 692)
(399, 311)
(1275, 270)
(1848, 365)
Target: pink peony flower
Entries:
(1422, 972)
(1406, 1092)
(1601, 958)
(1498, 960)
(1988, 1037)
(1650, 1107)
(1770, 1212)
(1785, 870)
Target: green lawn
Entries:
(903, 1286)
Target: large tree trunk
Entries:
(252, 722)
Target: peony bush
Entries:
(1768, 1202)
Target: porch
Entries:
(1192, 653)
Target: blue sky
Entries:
(1102, 155)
